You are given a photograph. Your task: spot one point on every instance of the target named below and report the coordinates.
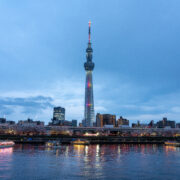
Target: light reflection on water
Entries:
(6, 151)
(90, 162)
(5, 162)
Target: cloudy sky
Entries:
(136, 47)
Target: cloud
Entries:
(38, 101)
(176, 109)
(156, 108)
(123, 99)
(27, 106)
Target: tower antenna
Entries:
(89, 31)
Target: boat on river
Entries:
(172, 143)
(6, 144)
(53, 144)
(80, 142)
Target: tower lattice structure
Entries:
(89, 100)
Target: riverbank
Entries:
(92, 139)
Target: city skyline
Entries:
(136, 52)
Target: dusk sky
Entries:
(136, 46)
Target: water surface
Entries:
(35, 162)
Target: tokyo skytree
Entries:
(89, 100)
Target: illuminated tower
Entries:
(89, 100)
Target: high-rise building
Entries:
(58, 115)
(89, 100)
(105, 119)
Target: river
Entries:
(35, 162)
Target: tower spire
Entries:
(89, 31)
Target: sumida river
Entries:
(35, 162)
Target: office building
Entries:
(177, 125)
(164, 123)
(103, 120)
(58, 115)
(122, 122)
(74, 123)
(2, 120)
(30, 122)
